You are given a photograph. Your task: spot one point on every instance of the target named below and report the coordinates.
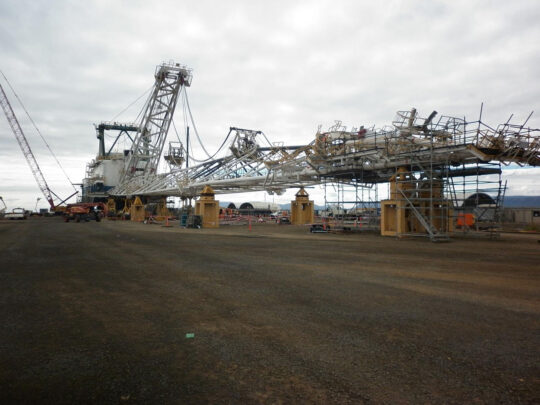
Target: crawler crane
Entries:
(27, 152)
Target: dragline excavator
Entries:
(113, 177)
(365, 155)
(418, 157)
(28, 154)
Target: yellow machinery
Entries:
(136, 210)
(415, 206)
(208, 208)
(127, 207)
(162, 211)
(111, 207)
(393, 215)
(302, 209)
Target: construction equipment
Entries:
(422, 159)
(3, 210)
(16, 213)
(103, 172)
(27, 151)
(112, 177)
(85, 212)
(143, 157)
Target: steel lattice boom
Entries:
(148, 144)
(25, 147)
(351, 156)
(356, 156)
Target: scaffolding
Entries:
(356, 205)
(367, 205)
(434, 197)
(478, 199)
(438, 171)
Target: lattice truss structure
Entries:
(144, 155)
(249, 166)
(25, 147)
(354, 156)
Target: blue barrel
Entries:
(183, 220)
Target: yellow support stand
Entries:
(127, 206)
(393, 218)
(398, 219)
(162, 211)
(208, 208)
(111, 206)
(302, 209)
(136, 210)
(393, 221)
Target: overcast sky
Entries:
(282, 67)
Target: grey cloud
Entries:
(280, 67)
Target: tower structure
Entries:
(208, 208)
(143, 157)
(302, 209)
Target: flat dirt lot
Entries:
(100, 312)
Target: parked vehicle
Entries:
(284, 221)
(85, 212)
(16, 213)
(319, 228)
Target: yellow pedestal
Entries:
(136, 211)
(162, 210)
(393, 220)
(111, 207)
(409, 197)
(208, 208)
(302, 209)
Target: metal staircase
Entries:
(435, 235)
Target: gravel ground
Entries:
(104, 312)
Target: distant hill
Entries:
(510, 201)
(519, 201)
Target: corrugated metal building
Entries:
(527, 215)
(256, 207)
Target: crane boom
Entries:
(143, 159)
(25, 147)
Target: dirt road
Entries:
(104, 312)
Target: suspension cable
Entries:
(191, 157)
(176, 132)
(130, 105)
(38, 131)
(184, 113)
(214, 155)
(194, 126)
(264, 135)
(184, 148)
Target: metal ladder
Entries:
(434, 234)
